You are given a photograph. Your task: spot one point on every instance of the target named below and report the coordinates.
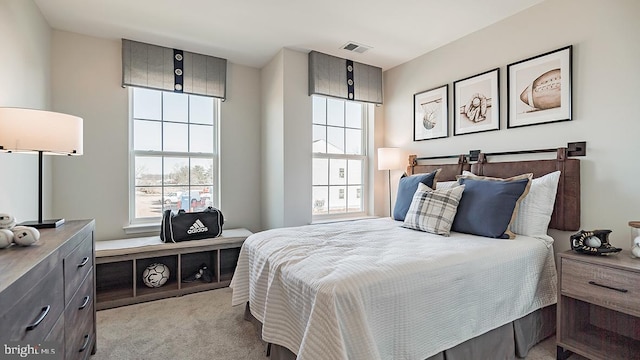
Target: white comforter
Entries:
(371, 289)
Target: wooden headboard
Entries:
(566, 212)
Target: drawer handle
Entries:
(85, 301)
(43, 314)
(85, 344)
(608, 287)
(84, 262)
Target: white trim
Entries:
(320, 218)
(141, 228)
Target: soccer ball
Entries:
(155, 275)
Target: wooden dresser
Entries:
(47, 291)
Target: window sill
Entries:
(141, 228)
(341, 219)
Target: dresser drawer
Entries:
(602, 285)
(34, 314)
(80, 304)
(76, 266)
(79, 320)
(56, 337)
(79, 337)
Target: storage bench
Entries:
(120, 263)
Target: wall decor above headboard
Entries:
(566, 212)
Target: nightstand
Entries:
(598, 306)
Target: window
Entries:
(339, 157)
(173, 153)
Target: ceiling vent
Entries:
(355, 47)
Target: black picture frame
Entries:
(477, 103)
(431, 114)
(539, 89)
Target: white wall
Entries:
(286, 141)
(379, 192)
(272, 142)
(25, 72)
(86, 80)
(604, 35)
(240, 143)
(297, 139)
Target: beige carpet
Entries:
(197, 326)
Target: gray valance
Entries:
(342, 78)
(161, 68)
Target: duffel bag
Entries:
(184, 226)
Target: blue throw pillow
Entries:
(488, 205)
(406, 188)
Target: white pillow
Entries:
(442, 185)
(534, 213)
(433, 211)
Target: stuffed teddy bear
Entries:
(6, 235)
(20, 235)
(7, 221)
(25, 235)
(6, 238)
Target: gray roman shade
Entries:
(342, 78)
(161, 68)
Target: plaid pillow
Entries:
(433, 211)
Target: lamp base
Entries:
(52, 223)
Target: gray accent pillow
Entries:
(433, 211)
(407, 187)
(489, 205)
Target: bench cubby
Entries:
(120, 264)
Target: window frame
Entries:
(146, 224)
(363, 158)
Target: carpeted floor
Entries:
(197, 326)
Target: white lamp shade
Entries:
(390, 158)
(29, 130)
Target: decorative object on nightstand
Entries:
(635, 239)
(390, 159)
(42, 132)
(594, 242)
(598, 306)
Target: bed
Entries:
(373, 289)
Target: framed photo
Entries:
(477, 103)
(540, 89)
(431, 114)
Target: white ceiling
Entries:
(251, 32)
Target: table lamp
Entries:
(42, 132)
(390, 159)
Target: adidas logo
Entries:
(197, 227)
